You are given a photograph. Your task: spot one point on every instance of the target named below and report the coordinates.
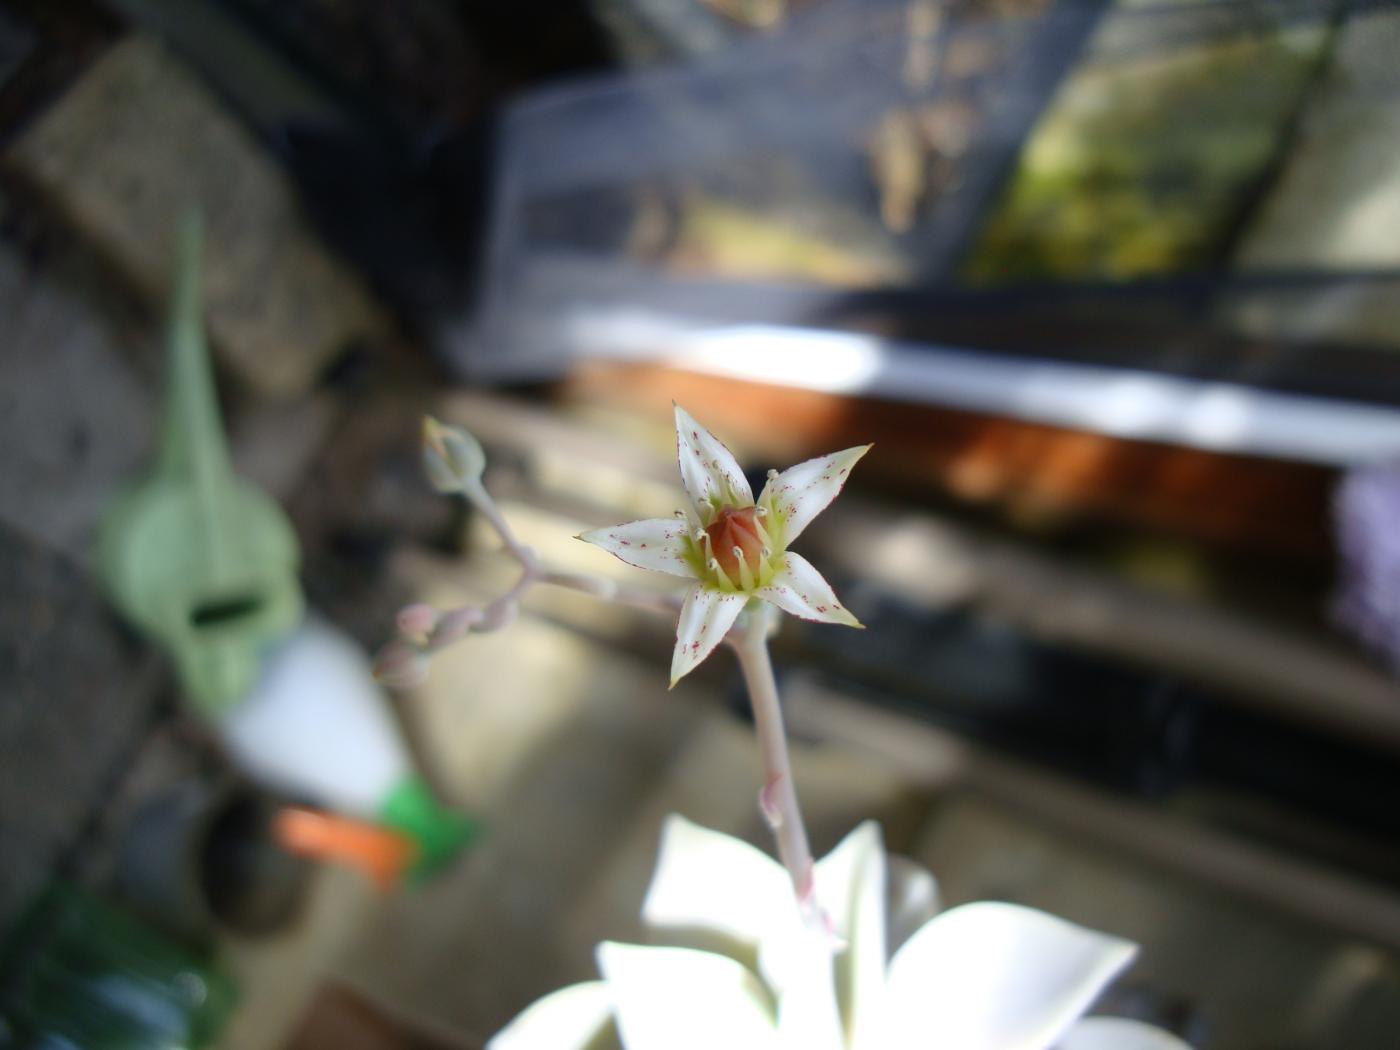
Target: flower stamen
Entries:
(746, 574)
(723, 579)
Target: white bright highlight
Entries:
(1223, 417)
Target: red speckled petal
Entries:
(800, 493)
(705, 619)
(799, 589)
(653, 543)
(709, 471)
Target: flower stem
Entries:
(779, 797)
(479, 498)
(534, 572)
(609, 591)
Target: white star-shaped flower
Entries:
(733, 548)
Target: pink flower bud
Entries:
(417, 620)
(400, 665)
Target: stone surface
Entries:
(75, 699)
(76, 419)
(136, 141)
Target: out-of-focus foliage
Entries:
(1139, 165)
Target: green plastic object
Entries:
(196, 557)
(80, 973)
(440, 833)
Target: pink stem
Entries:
(607, 590)
(482, 501)
(779, 796)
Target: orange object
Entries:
(381, 854)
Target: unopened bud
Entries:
(400, 665)
(417, 620)
(452, 458)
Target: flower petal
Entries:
(723, 894)
(798, 588)
(800, 493)
(709, 471)
(706, 618)
(809, 1016)
(679, 999)
(652, 543)
(911, 900)
(850, 887)
(1117, 1033)
(578, 1017)
(711, 881)
(993, 976)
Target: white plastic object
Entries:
(317, 725)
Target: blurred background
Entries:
(1113, 285)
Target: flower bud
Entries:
(452, 458)
(417, 620)
(400, 665)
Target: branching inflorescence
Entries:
(847, 975)
(732, 548)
